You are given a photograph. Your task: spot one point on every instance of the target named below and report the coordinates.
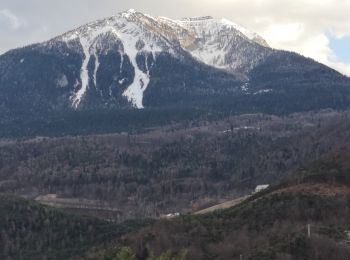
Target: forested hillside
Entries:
(270, 225)
(32, 231)
(169, 169)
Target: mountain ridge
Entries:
(159, 38)
(133, 61)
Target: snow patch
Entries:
(70, 36)
(134, 93)
(245, 87)
(84, 73)
(211, 54)
(129, 13)
(128, 31)
(121, 81)
(215, 41)
(97, 65)
(263, 91)
(86, 42)
(249, 34)
(121, 63)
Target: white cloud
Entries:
(302, 26)
(280, 34)
(294, 37)
(15, 22)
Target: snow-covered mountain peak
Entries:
(134, 33)
(221, 43)
(216, 42)
(130, 11)
(249, 34)
(216, 25)
(130, 14)
(169, 66)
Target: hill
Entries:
(270, 225)
(177, 168)
(32, 231)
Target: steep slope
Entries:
(270, 225)
(106, 63)
(133, 60)
(130, 36)
(301, 83)
(223, 44)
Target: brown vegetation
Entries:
(172, 168)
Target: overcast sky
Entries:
(315, 28)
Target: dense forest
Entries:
(32, 231)
(169, 169)
(269, 225)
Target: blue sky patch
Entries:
(341, 47)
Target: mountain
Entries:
(269, 225)
(133, 61)
(135, 116)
